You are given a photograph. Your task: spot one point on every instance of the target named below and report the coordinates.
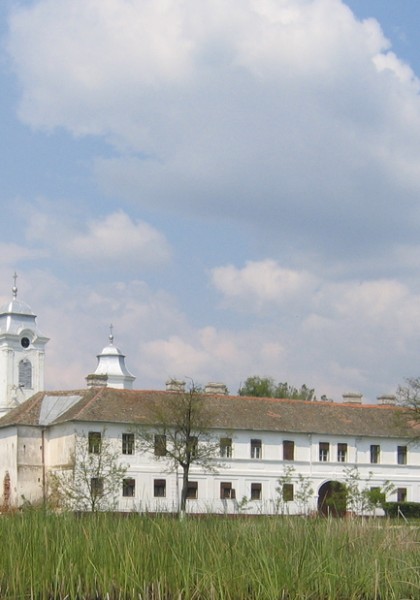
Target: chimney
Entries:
(216, 388)
(387, 399)
(353, 398)
(96, 380)
(175, 385)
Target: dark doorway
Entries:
(332, 498)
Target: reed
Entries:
(106, 556)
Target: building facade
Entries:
(268, 455)
(266, 451)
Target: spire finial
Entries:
(111, 335)
(14, 288)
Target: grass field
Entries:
(109, 556)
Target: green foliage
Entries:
(109, 556)
(266, 387)
(359, 497)
(284, 390)
(258, 387)
(407, 509)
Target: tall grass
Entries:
(47, 556)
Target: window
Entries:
(226, 491)
(128, 443)
(288, 492)
(159, 488)
(324, 451)
(402, 455)
(226, 447)
(160, 444)
(256, 489)
(375, 451)
(341, 452)
(25, 374)
(96, 486)
(256, 449)
(288, 450)
(193, 445)
(401, 494)
(94, 442)
(129, 488)
(192, 490)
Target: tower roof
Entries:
(16, 317)
(111, 367)
(15, 306)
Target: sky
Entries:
(234, 185)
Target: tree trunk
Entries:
(184, 491)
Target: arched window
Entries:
(25, 373)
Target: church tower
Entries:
(111, 370)
(22, 351)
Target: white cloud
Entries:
(113, 240)
(117, 239)
(293, 116)
(262, 283)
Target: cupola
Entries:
(111, 370)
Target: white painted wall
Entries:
(23, 459)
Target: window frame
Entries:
(25, 374)
(288, 450)
(401, 494)
(402, 453)
(342, 449)
(226, 447)
(192, 490)
(288, 492)
(324, 451)
(127, 444)
(160, 445)
(94, 442)
(97, 487)
(159, 485)
(129, 487)
(375, 454)
(256, 491)
(256, 449)
(227, 491)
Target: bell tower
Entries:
(22, 351)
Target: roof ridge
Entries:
(98, 392)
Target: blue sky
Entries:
(234, 185)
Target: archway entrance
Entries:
(332, 499)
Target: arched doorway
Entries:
(332, 499)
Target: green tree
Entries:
(180, 435)
(258, 387)
(360, 496)
(284, 390)
(92, 479)
(266, 387)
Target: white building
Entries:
(260, 439)
(22, 350)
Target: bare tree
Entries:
(180, 435)
(92, 478)
(409, 396)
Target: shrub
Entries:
(407, 509)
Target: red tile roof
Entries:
(107, 405)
